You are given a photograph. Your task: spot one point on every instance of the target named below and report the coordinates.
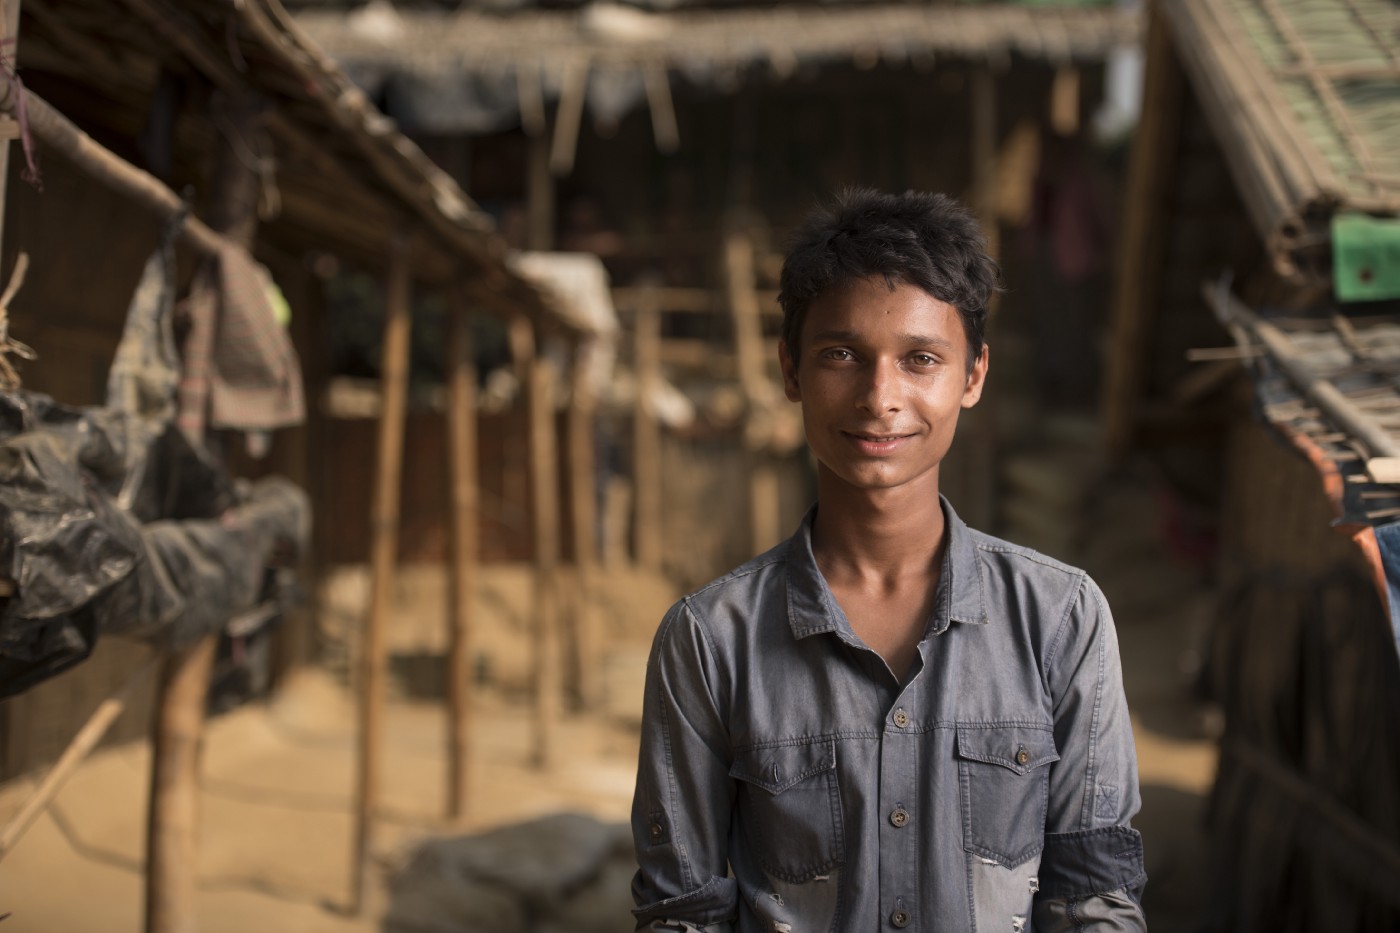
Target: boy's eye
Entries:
(837, 353)
(924, 359)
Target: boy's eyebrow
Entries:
(850, 336)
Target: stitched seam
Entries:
(1086, 818)
(1058, 641)
(671, 765)
(738, 574)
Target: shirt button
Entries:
(900, 816)
(656, 830)
(1022, 756)
(900, 918)
(901, 718)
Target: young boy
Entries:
(889, 721)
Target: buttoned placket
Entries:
(899, 829)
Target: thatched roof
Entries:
(1328, 386)
(1304, 96)
(347, 181)
(472, 68)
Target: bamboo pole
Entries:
(9, 19)
(462, 457)
(765, 516)
(1140, 260)
(583, 479)
(544, 487)
(52, 127)
(78, 749)
(646, 437)
(569, 117)
(979, 466)
(172, 852)
(539, 195)
(384, 531)
(172, 840)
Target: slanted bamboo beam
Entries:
(462, 463)
(544, 489)
(78, 749)
(52, 127)
(646, 437)
(384, 545)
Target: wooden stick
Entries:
(9, 21)
(1139, 263)
(544, 486)
(78, 749)
(172, 829)
(663, 108)
(462, 454)
(583, 479)
(539, 194)
(570, 116)
(172, 852)
(765, 517)
(646, 439)
(77, 147)
(384, 531)
(530, 96)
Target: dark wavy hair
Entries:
(929, 241)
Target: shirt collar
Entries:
(813, 610)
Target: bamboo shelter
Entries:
(223, 120)
(1268, 130)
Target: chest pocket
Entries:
(790, 806)
(1004, 773)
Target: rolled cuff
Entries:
(1093, 861)
(710, 908)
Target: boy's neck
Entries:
(878, 532)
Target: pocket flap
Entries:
(1016, 748)
(778, 767)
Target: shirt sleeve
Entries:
(684, 798)
(1091, 871)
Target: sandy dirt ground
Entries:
(278, 783)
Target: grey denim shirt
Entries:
(789, 784)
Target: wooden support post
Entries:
(646, 438)
(172, 831)
(172, 849)
(539, 194)
(384, 545)
(462, 455)
(765, 512)
(1141, 255)
(979, 435)
(583, 482)
(9, 20)
(544, 486)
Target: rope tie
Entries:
(9, 377)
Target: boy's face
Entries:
(882, 376)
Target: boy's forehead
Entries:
(871, 302)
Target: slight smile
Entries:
(875, 443)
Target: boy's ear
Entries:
(977, 378)
(790, 386)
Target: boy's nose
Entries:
(880, 394)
